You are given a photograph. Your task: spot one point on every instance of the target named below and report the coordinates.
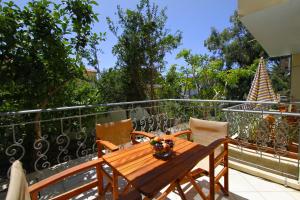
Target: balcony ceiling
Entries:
(246, 7)
(274, 24)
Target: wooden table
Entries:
(148, 174)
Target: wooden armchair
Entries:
(109, 135)
(205, 132)
(19, 189)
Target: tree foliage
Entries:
(200, 74)
(238, 49)
(142, 46)
(205, 77)
(110, 86)
(280, 78)
(197, 63)
(237, 82)
(234, 45)
(42, 48)
(172, 84)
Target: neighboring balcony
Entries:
(265, 136)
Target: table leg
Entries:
(115, 185)
(172, 186)
(212, 176)
(226, 178)
(100, 180)
(181, 193)
(164, 195)
(197, 188)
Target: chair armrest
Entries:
(36, 187)
(215, 144)
(148, 135)
(134, 133)
(185, 132)
(107, 145)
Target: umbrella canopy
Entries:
(261, 88)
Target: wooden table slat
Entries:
(158, 167)
(154, 164)
(144, 159)
(135, 149)
(152, 186)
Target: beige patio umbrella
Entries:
(261, 88)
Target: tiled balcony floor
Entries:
(242, 186)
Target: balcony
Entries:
(264, 141)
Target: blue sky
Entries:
(193, 17)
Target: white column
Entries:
(295, 77)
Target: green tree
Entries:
(110, 86)
(42, 49)
(234, 45)
(280, 78)
(210, 79)
(236, 82)
(211, 84)
(142, 46)
(201, 74)
(238, 49)
(196, 62)
(171, 84)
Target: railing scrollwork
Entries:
(72, 135)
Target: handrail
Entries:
(261, 111)
(215, 144)
(76, 107)
(136, 102)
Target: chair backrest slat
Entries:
(205, 132)
(115, 132)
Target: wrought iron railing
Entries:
(44, 138)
